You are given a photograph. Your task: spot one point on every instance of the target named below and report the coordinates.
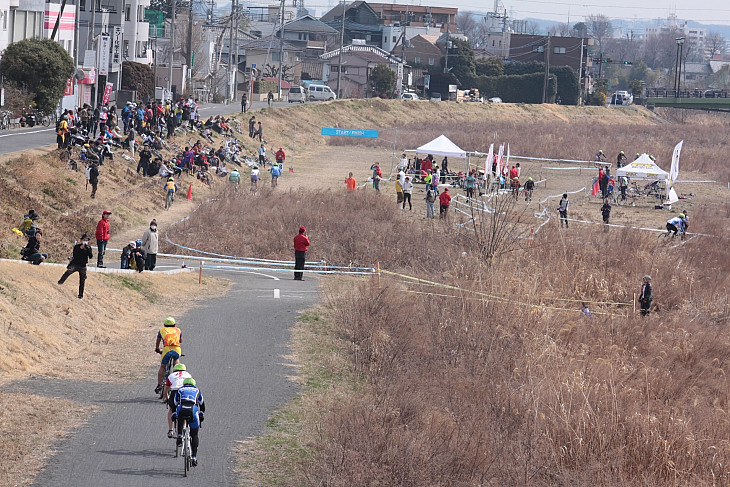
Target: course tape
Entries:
(497, 298)
(273, 269)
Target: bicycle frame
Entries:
(187, 448)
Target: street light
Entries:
(678, 70)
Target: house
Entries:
(394, 34)
(564, 51)
(358, 61)
(361, 22)
(444, 18)
(264, 54)
(421, 51)
(264, 21)
(313, 36)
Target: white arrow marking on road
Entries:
(276, 294)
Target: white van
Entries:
(297, 93)
(321, 92)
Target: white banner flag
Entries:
(490, 158)
(674, 171)
(104, 50)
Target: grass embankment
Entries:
(500, 381)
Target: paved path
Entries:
(16, 140)
(234, 347)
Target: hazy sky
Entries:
(705, 11)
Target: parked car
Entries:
(617, 99)
(495, 99)
(320, 92)
(297, 93)
(626, 97)
(435, 96)
(714, 94)
(409, 96)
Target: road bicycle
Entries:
(187, 448)
(170, 199)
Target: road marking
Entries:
(27, 133)
(276, 294)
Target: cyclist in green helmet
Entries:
(190, 406)
(173, 383)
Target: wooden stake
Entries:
(200, 273)
(377, 266)
(634, 303)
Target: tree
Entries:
(492, 66)
(140, 77)
(580, 29)
(532, 28)
(600, 28)
(715, 43)
(461, 58)
(382, 79)
(41, 67)
(636, 87)
(467, 25)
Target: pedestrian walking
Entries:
(244, 102)
(270, 98)
(252, 127)
(430, 199)
(259, 132)
(646, 296)
(103, 233)
(94, 177)
(81, 255)
(444, 203)
(563, 210)
(301, 245)
(150, 245)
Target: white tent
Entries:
(643, 168)
(442, 146)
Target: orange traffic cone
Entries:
(190, 193)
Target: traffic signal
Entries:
(627, 63)
(608, 60)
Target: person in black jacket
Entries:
(646, 296)
(31, 251)
(81, 255)
(94, 178)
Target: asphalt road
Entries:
(21, 139)
(234, 347)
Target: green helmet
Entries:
(179, 367)
(169, 321)
(189, 382)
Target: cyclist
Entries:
(254, 178)
(600, 156)
(171, 338)
(189, 405)
(170, 187)
(620, 159)
(675, 225)
(173, 383)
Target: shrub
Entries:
(265, 86)
(140, 77)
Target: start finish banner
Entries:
(372, 134)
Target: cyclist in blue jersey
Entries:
(190, 406)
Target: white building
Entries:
(695, 36)
(392, 34)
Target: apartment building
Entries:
(444, 18)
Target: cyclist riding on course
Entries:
(173, 383)
(171, 337)
(190, 406)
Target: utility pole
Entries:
(190, 59)
(342, 48)
(229, 73)
(235, 56)
(90, 41)
(580, 75)
(547, 70)
(446, 63)
(172, 49)
(281, 49)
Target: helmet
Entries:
(170, 178)
(622, 152)
(600, 151)
(189, 382)
(179, 367)
(169, 321)
(681, 215)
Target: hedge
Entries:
(524, 88)
(265, 86)
(140, 77)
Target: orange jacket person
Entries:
(351, 183)
(301, 245)
(171, 337)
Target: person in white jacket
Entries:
(407, 190)
(150, 245)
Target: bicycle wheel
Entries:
(186, 449)
(46, 120)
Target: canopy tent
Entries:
(442, 146)
(643, 168)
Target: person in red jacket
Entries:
(102, 237)
(280, 157)
(444, 202)
(301, 244)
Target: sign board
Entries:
(107, 93)
(372, 134)
(89, 77)
(452, 88)
(116, 48)
(253, 65)
(427, 81)
(104, 49)
(89, 57)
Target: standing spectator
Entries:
(252, 126)
(351, 183)
(606, 211)
(646, 296)
(513, 173)
(430, 199)
(398, 192)
(262, 155)
(407, 190)
(62, 133)
(604, 183)
(529, 187)
(144, 160)
(563, 210)
(81, 255)
(519, 169)
(445, 165)
(403, 162)
(32, 250)
(94, 177)
(244, 102)
(259, 132)
(623, 183)
(150, 245)
(377, 176)
(103, 233)
(301, 245)
(128, 255)
(469, 183)
(94, 121)
(280, 157)
(444, 202)
(270, 98)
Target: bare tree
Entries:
(660, 51)
(600, 28)
(467, 25)
(715, 43)
(532, 28)
(494, 226)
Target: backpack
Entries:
(88, 172)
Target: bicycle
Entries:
(170, 199)
(47, 120)
(187, 449)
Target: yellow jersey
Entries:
(171, 337)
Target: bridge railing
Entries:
(695, 93)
